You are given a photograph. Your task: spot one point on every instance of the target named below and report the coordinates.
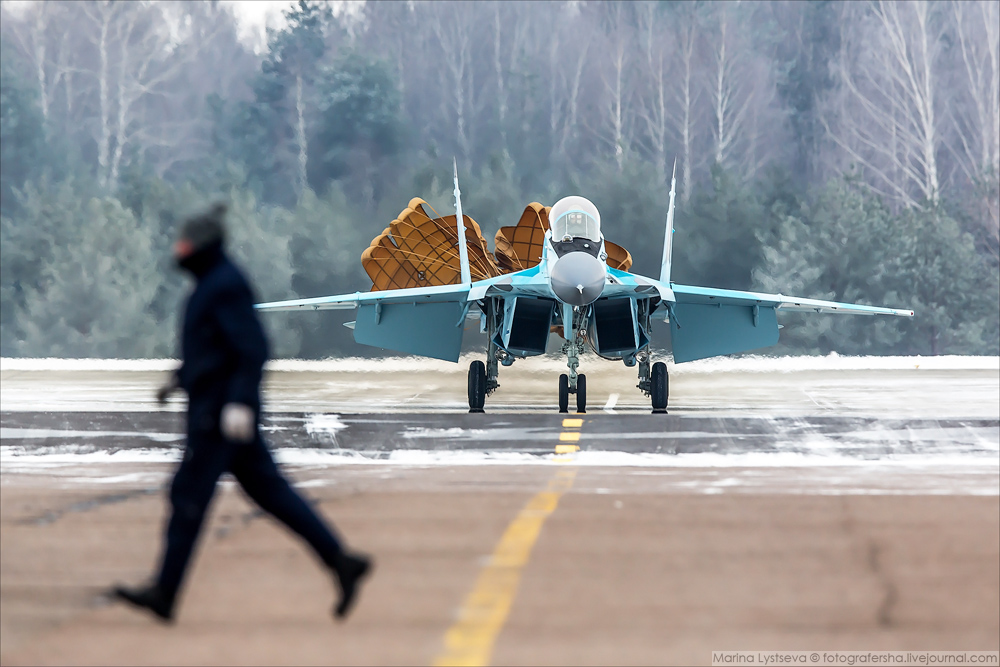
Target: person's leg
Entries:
(256, 472)
(190, 494)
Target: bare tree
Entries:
(730, 87)
(653, 106)
(567, 59)
(42, 38)
(454, 26)
(889, 123)
(686, 94)
(102, 16)
(138, 69)
(612, 126)
(975, 115)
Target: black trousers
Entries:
(208, 456)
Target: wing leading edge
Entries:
(711, 296)
(437, 293)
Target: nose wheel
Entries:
(565, 391)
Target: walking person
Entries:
(223, 353)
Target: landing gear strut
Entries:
(654, 382)
(573, 383)
(483, 376)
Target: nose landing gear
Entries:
(565, 390)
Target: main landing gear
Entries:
(477, 386)
(483, 377)
(654, 382)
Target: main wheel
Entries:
(581, 393)
(477, 386)
(659, 386)
(563, 393)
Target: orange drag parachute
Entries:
(416, 250)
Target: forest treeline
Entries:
(834, 150)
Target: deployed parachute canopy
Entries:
(417, 250)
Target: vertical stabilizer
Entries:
(668, 234)
(463, 249)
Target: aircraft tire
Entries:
(659, 386)
(477, 386)
(581, 393)
(563, 393)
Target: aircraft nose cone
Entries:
(577, 278)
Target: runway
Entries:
(781, 504)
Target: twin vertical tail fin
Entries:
(463, 249)
(668, 234)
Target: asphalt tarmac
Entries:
(780, 505)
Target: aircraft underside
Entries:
(616, 330)
(520, 327)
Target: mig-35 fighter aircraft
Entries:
(554, 272)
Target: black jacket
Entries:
(223, 347)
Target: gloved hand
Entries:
(237, 422)
(169, 387)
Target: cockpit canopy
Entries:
(575, 217)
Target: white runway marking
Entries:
(612, 402)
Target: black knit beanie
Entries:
(205, 229)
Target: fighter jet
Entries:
(554, 273)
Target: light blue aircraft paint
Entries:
(574, 290)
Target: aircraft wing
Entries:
(712, 296)
(434, 294)
(427, 321)
(707, 322)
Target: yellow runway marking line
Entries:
(567, 449)
(569, 437)
(470, 640)
(572, 423)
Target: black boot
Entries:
(350, 569)
(148, 597)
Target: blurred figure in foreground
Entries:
(223, 350)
